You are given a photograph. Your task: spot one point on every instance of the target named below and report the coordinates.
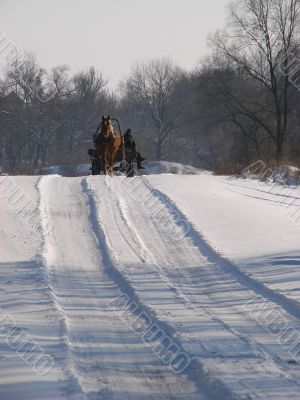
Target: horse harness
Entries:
(100, 139)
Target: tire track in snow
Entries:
(290, 306)
(211, 384)
(48, 245)
(267, 301)
(118, 196)
(105, 246)
(106, 357)
(28, 301)
(148, 257)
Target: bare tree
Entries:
(87, 101)
(152, 90)
(259, 41)
(229, 98)
(46, 117)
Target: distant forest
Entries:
(239, 105)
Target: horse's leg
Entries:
(104, 162)
(112, 161)
(110, 168)
(107, 170)
(114, 156)
(109, 162)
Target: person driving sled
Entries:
(130, 145)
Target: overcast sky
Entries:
(111, 34)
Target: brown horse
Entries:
(107, 143)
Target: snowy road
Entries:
(209, 266)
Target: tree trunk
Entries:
(37, 156)
(159, 151)
(279, 146)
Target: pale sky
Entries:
(112, 35)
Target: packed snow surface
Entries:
(155, 287)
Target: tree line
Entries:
(240, 104)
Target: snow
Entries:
(151, 168)
(112, 281)
(167, 167)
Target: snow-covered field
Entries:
(156, 287)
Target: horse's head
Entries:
(107, 128)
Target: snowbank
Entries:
(167, 167)
(151, 168)
(285, 175)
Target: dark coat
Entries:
(129, 141)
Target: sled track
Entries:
(183, 287)
(83, 290)
(290, 306)
(213, 387)
(99, 240)
(69, 350)
(147, 256)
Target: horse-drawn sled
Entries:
(110, 149)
